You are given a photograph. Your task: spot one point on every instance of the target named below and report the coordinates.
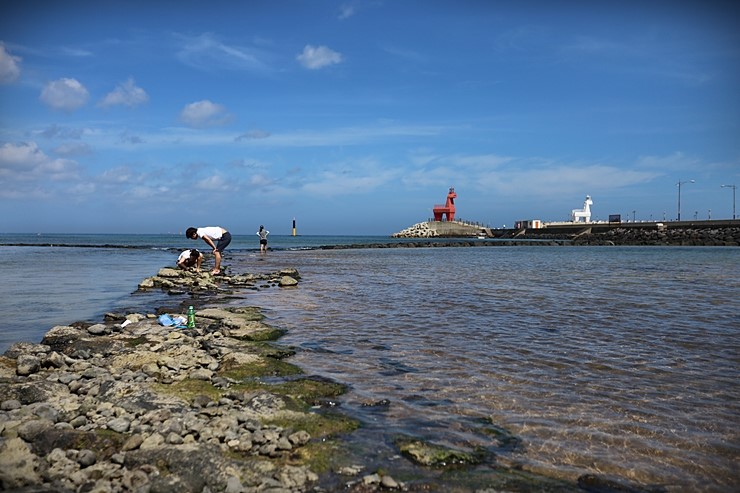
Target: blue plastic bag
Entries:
(177, 322)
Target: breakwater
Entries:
(729, 236)
(706, 233)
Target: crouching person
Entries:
(189, 259)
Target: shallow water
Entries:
(615, 360)
(46, 286)
(620, 361)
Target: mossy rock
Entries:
(104, 442)
(189, 388)
(261, 367)
(267, 350)
(309, 389)
(266, 333)
(136, 341)
(505, 440)
(321, 456)
(428, 454)
(319, 425)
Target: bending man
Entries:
(216, 237)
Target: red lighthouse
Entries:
(448, 209)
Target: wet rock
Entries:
(601, 484)
(429, 454)
(287, 281)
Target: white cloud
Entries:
(205, 52)
(356, 177)
(118, 175)
(127, 94)
(347, 10)
(673, 162)
(215, 182)
(64, 94)
(73, 149)
(204, 114)
(57, 132)
(25, 161)
(315, 57)
(10, 69)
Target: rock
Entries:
(299, 438)
(147, 283)
(428, 454)
(201, 374)
(10, 405)
(86, 458)
(78, 421)
(30, 430)
(388, 482)
(26, 364)
(287, 281)
(371, 479)
(119, 425)
(47, 412)
(168, 272)
(18, 466)
(133, 442)
(97, 329)
(153, 441)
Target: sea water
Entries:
(621, 361)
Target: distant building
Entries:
(528, 224)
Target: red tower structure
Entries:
(448, 209)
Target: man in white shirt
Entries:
(216, 237)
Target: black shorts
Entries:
(223, 242)
(263, 242)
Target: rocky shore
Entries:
(663, 237)
(582, 235)
(132, 405)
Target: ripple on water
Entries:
(603, 360)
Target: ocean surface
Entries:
(621, 361)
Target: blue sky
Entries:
(355, 117)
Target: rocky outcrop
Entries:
(663, 236)
(418, 230)
(188, 281)
(142, 407)
(442, 229)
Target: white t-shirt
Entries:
(213, 232)
(184, 256)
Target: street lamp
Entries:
(733, 187)
(679, 196)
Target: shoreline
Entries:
(129, 402)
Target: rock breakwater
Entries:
(418, 230)
(663, 237)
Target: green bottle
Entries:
(191, 317)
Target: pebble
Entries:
(108, 385)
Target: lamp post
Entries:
(679, 196)
(733, 187)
